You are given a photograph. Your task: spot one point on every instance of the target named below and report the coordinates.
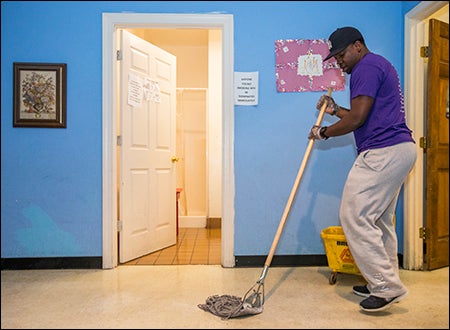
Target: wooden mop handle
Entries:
(294, 188)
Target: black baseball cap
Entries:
(341, 38)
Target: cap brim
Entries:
(332, 53)
(328, 57)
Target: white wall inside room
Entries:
(199, 83)
(191, 150)
(214, 124)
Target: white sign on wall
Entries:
(246, 88)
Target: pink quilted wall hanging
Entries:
(300, 66)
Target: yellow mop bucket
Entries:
(340, 260)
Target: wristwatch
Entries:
(335, 109)
(322, 132)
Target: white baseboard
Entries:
(192, 221)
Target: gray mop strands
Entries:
(228, 306)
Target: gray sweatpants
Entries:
(366, 214)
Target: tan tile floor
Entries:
(195, 246)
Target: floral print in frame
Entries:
(40, 95)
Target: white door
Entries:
(147, 191)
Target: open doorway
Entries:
(197, 160)
(113, 22)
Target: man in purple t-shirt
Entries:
(386, 154)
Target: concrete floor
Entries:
(166, 297)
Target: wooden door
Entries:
(436, 152)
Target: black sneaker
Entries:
(361, 290)
(377, 304)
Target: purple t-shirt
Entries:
(385, 126)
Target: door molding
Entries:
(416, 35)
(111, 22)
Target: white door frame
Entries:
(110, 23)
(416, 35)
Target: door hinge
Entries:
(424, 233)
(423, 142)
(119, 140)
(119, 225)
(119, 55)
(425, 51)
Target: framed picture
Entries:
(40, 95)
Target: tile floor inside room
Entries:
(195, 246)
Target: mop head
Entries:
(227, 306)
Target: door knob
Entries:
(174, 159)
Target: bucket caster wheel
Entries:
(333, 277)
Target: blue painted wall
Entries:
(51, 179)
